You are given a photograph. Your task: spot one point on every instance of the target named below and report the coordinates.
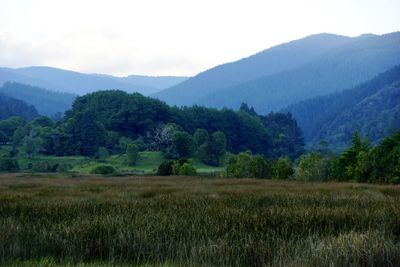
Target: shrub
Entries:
(165, 168)
(312, 167)
(8, 164)
(132, 154)
(103, 169)
(283, 168)
(187, 169)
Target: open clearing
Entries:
(55, 219)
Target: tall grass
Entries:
(197, 222)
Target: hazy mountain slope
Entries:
(276, 59)
(371, 108)
(75, 82)
(10, 75)
(13, 107)
(340, 68)
(46, 102)
(156, 83)
(79, 83)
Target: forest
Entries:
(243, 143)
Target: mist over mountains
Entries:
(60, 80)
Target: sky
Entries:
(172, 37)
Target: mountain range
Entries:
(280, 76)
(73, 82)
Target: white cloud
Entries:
(177, 37)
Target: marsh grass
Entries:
(188, 221)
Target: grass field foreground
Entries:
(191, 221)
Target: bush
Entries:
(187, 169)
(132, 154)
(283, 169)
(8, 164)
(103, 169)
(44, 166)
(165, 168)
(312, 167)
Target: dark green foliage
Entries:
(183, 145)
(13, 107)
(123, 144)
(165, 168)
(384, 161)
(8, 164)
(282, 169)
(245, 165)
(211, 150)
(243, 132)
(201, 137)
(103, 169)
(132, 154)
(347, 161)
(56, 142)
(130, 115)
(9, 126)
(187, 169)
(87, 133)
(32, 145)
(135, 116)
(259, 167)
(102, 153)
(43, 121)
(46, 102)
(360, 162)
(287, 137)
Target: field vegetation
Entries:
(64, 219)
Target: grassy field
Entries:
(147, 164)
(58, 220)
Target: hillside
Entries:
(153, 84)
(55, 79)
(270, 61)
(372, 108)
(13, 107)
(336, 70)
(46, 102)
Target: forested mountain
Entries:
(79, 83)
(276, 59)
(371, 108)
(13, 107)
(46, 102)
(336, 70)
(350, 62)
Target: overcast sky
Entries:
(172, 37)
